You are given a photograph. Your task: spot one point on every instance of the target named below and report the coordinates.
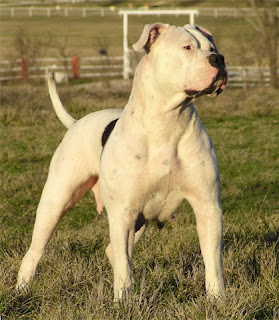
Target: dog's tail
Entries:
(60, 111)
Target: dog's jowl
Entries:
(156, 155)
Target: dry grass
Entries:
(74, 279)
(85, 35)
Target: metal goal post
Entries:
(126, 13)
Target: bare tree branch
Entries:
(266, 25)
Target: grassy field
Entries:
(74, 279)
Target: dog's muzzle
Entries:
(218, 84)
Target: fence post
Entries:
(192, 18)
(24, 69)
(126, 54)
(235, 13)
(75, 67)
(216, 13)
(244, 78)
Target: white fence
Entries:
(56, 12)
(112, 67)
(88, 67)
(91, 11)
(249, 76)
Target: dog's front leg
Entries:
(122, 236)
(204, 198)
(139, 232)
(202, 190)
(210, 228)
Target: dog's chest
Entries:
(159, 205)
(162, 190)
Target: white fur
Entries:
(157, 155)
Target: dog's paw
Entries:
(22, 287)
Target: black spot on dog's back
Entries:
(107, 131)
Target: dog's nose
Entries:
(216, 60)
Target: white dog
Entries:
(143, 165)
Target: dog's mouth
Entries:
(217, 86)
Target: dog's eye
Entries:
(188, 47)
(212, 49)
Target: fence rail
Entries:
(249, 76)
(74, 67)
(96, 11)
(106, 67)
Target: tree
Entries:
(32, 48)
(266, 24)
(62, 46)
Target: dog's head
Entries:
(186, 59)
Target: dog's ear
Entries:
(207, 34)
(202, 30)
(149, 35)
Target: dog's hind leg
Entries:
(68, 180)
(98, 198)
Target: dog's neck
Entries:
(154, 107)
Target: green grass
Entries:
(74, 279)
